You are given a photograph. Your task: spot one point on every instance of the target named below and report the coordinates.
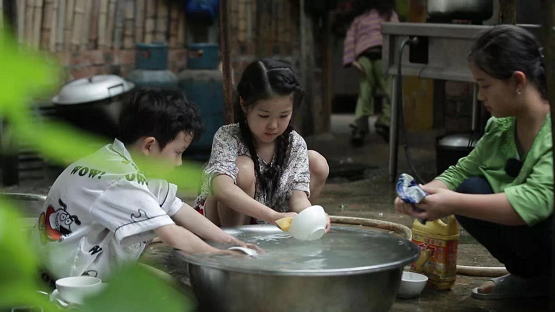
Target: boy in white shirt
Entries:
(102, 209)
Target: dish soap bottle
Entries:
(438, 242)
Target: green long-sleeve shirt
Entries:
(531, 192)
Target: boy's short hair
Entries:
(160, 113)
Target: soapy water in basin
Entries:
(343, 248)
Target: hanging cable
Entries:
(401, 124)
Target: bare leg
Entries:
(211, 211)
(246, 181)
(319, 171)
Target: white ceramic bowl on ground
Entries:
(412, 284)
(76, 289)
(309, 224)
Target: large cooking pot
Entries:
(477, 10)
(349, 269)
(93, 103)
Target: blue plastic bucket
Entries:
(151, 56)
(203, 56)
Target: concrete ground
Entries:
(358, 186)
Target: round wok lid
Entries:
(342, 251)
(92, 89)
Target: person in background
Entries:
(502, 192)
(363, 50)
(260, 169)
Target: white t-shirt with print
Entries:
(99, 214)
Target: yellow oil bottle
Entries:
(438, 242)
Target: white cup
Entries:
(309, 224)
(76, 289)
(412, 284)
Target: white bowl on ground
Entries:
(76, 289)
(309, 224)
(412, 285)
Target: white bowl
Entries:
(412, 285)
(309, 224)
(76, 289)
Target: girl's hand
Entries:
(403, 207)
(281, 215)
(328, 226)
(438, 204)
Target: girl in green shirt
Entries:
(502, 192)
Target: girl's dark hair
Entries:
(264, 79)
(160, 113)
(504, 49)
(384, 7)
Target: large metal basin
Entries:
(349, 269)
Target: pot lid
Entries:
(92, 89)
(342, 251)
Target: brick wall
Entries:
(85, 63)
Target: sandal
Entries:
(515, 287)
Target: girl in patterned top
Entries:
(260, 168)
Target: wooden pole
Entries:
(93, 32)
(161, 22)
(225, 11)
(548, 10)
(111, 15)
(118, 31)
(21, 5)
(54, 26)
(128, 29)
(507, 12)
(68, 23)
(86, 24)
(139, 20)
(102, 20)
(181, 29)
(37, 23)
(78, 21)
(46, 29)
(60, 22)
(150, 22)
(174, 23)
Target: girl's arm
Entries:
(298, 201)
(235, 198)
(442, 202)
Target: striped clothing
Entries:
(365, 32)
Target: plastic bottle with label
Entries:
(438, 242)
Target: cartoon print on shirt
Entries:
(54, 225)
(141, 217)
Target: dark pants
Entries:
(525, 251)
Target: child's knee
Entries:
(318, 164)
(245, 176)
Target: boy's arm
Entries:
(180, 238)
(190, 219)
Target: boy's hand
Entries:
(250, 246)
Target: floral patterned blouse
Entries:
(228, 145)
